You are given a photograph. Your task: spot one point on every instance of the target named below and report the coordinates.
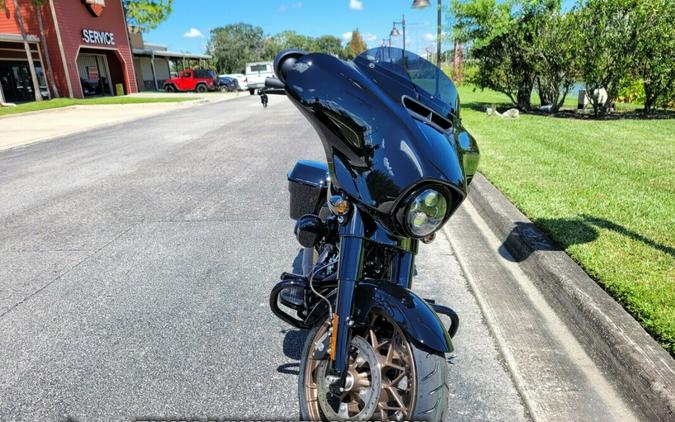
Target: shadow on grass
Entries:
(570, 231)
(569, 113)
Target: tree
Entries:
(356, 45)
(654, 58)
(291, 39)
(146, 14)
(554, 59)
(606, 38)
(503, 35)
(329, 44)
(234, 45)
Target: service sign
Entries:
(95, 7)
(91, 36)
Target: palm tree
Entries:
(29, 55)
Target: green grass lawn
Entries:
(603, 189)
(65, 102)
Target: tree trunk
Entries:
(523, 97)
(649, 98)
(560, 100)
(29, 55)
(43, 42)
(544, 94)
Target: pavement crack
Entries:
(60, 276)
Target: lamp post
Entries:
(395, 33)
(421, 4)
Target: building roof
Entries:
(168, 54)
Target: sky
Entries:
(187, 28)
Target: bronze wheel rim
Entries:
(395, 362)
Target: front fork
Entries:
(350, 272)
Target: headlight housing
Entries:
(426, 212)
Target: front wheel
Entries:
(389, 378)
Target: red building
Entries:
(83, 49)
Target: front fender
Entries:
(414, 315)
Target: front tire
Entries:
(416, 377)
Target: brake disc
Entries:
(362, 388)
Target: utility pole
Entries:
(459, 61)
(421, 4)
(395, 33)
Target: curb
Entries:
(643, 371)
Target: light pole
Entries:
(421, 4)
(396, 33)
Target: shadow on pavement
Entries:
(294, 339)
(293, 343)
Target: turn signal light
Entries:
(338, 204)
(429, 238)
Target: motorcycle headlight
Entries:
(426, 212)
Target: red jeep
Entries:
(200, 80)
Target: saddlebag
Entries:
(307, 183)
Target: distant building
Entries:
(152, 62)
(90, 50)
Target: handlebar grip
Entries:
(285, 60)
(273, 83)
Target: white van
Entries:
(256, 74)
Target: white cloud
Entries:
(369, 37)
(429, 36)
(347, 36)
(283, 8)
(356, 4)
(193, 33)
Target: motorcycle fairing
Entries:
(376, 150)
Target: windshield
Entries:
(429, 81)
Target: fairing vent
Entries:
(421, 112)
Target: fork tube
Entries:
(403, 265)
(350, 270)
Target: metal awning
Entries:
(17, 38)
(168, 54)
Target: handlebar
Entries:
(273, 83)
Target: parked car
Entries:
(256, 73)
(200, 80)
(241, 80)
(228, 84)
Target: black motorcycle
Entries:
(398, 165)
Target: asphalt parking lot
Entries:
(136, 263)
